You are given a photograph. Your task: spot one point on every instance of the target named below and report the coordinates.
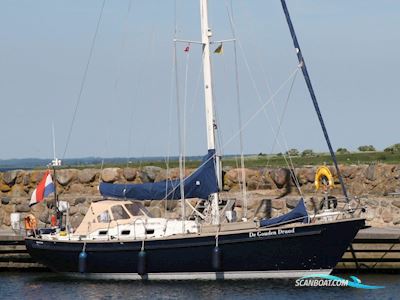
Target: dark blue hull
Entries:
(297, 248)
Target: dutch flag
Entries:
(44, 188)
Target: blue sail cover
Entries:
(297, 214)
(200, 184)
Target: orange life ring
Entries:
(30, 222)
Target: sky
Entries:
(128, 103)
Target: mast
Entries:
(55, 163)
(209, 102)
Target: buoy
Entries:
(217, 258)
(141, 266)
(82, 262)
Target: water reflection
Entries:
(49, 285)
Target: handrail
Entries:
(134, 227)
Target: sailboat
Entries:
(120, 239)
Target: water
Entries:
(51, 286)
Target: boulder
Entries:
(9, 208)
(161, 176)
(347, 171)
(384, 203)
(129, 173)
(387, 216)
(278, 204)
(281, 177)
(4, 218)
(18, 191)
(370, 214)
(26, 179)
(73, 210)
(79, 200)
(4, 187)
(76, 220)
(9, 177)
(291, 202)
(370, 172)
(76, 188)
(357, 188)
(305, 175)
(231, 176)
(252, 185)
(22, 207)
(87, 175)
(82, 209)
(372, 202)
(151, 172)
(39, 208)
(5, 200)
(17, 200)
(141, 177)
(36, 176)
(156, 212)
(20, 177)
(309, 174)
(44, 216)
(396, 203)
(172, 204)
(64, 177)
(110, 174)
(396, 172)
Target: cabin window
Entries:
(119, 213)
(125, 232)
(134, 209)
(103, 232)
(149, 231)
(104, 217)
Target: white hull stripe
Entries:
(200, 275)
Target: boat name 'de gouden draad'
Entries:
(271, 232)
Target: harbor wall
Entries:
(271, 191)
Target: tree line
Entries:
(364, 148)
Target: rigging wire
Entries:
(255, 114)
(291, 168)
(171, 96)
(256, 51)
(261, 108)
(83, 82)
(239, 112)
(185, 111)
(181, 175)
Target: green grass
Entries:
(325, 158)
(256, 161)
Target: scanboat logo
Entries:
(330, 280)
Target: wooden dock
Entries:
(373, 250)
(13, 254)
